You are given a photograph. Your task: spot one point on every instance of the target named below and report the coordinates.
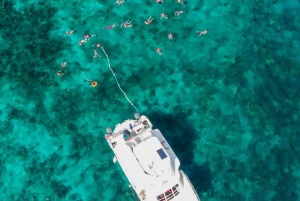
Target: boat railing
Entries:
(190, 184)
(116, 134)
(136, 123)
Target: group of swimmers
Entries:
(85, 39)
(126, 24)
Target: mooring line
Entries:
(118, 81)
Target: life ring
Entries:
(94, 83)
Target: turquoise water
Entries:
(228, 101)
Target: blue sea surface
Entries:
(227, 101)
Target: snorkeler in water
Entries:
(202, 32)
(95, 53)
(127, 24)
(119, 2)
(149, 20)
(177, 13)
(60, 73)
(159, 51)
(88, 36)
(110, 27)
(170, 36)
(159, 1)
(70, 32)
(92, 83)
(82, 41)
(64, 64)
(181, 2)
(163, 16)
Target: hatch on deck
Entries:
(162, 154)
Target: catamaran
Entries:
(149, 162)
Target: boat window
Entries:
(169, 195)
(176, 189)
(162, 154)
(161, 197)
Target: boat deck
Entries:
(149, 162)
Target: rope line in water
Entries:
(118, 82)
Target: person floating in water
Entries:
(88, 36)
(181, 2)
(159, 1)
(70, 32)
(177, 13)
(149, 20)
(170, 36)
(127, 24)
(159, 51)
(202, 32)
(92, 83)
(119, 2)
(163, 16)
(82, 41)
(64, 64)
(60, 73)
(110, 27)
(95, 53)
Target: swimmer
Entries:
(177, 13)
(159, 1)
(92, 83)
(159, 51)
(95, 53)
(170, 36)
(60, 73)
(163, 16)
(110, 27)
(181, 2)
(202, 32)
(88, 36)
(127, 24)
(70, 32)
(64, 64)
(149, 20)
(82, 41)
(119, 2)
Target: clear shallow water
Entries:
(227, 101)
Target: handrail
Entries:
(191, 185)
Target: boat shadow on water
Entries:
(181, 136)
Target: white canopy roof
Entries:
(152, 157)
